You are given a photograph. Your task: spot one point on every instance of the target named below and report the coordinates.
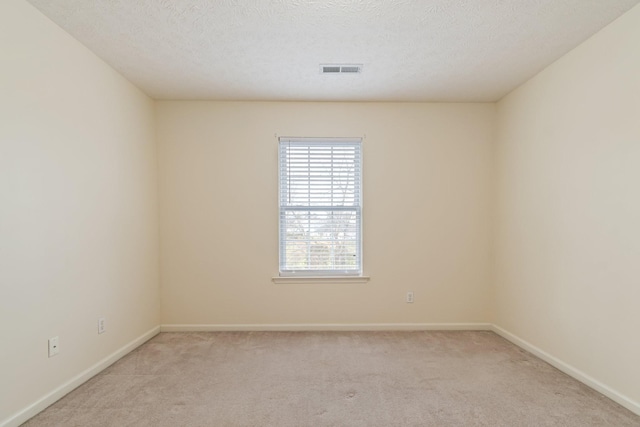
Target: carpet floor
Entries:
(422, 378)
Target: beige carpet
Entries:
(332, 379)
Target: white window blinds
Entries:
(320, 206)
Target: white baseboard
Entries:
(38, 406)
(329, 327)
(570, 370)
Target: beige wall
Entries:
(555, 196)
(426, 212)
(78, 208)
(568, 212)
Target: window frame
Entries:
(313, 276)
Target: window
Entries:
(320, 206)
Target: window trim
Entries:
(322, 276)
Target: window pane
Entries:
(320, 216)
(320, 240)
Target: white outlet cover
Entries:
(102, 325)
(54, 346)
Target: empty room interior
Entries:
(160, 264)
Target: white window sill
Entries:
(320, 279)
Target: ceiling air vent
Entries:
(340, 68)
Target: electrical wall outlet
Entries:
(102, 325)
(54, 346)
(409, 296)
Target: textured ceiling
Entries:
(411, 50)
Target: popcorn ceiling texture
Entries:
(429, 50)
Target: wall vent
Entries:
(340, 68)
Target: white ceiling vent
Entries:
(340, 68)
